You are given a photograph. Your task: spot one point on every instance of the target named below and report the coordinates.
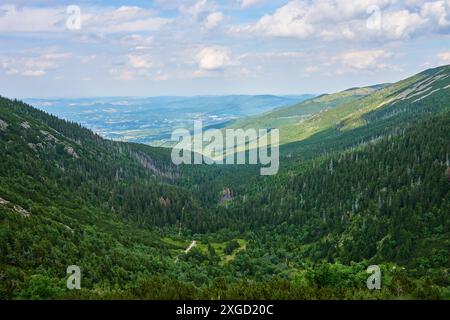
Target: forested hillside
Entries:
(369, 186)
(353, 108)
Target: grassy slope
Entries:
(346, 110)
(293, 114)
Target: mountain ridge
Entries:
(366, 188)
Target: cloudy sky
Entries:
(208, 47)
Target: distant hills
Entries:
(364, 180)
(152, 120)
(350, 109)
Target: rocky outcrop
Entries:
(49, 137)
(3, 125)
(16, 208)
(227, 195)
(25, 125)
(71, 152)
(165, 202)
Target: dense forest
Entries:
(375, 194)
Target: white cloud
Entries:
(287, 21)
(354, 20)
(32, 64)
(93, 19)
(198, 8)
(138, 40)
(27, 19)
(271, 55)
(122, 74)
(213, 20)
(122, 20)
(365, 59)
(312, 69)
(33, 73)
(401, 24)
(444, 57)
(213, 58)
(249, 3)
(437, 10)
(137, 65)
(139, 62)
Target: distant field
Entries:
(152, 120)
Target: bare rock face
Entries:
(25, 125)
(18, 209)
(35, 147)
(32, 146)
(71, 152)
(227, 195)
(24, 213)
(49, 137)
(165, 202)
(3, 125)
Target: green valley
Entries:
(364, 180)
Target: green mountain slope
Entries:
(68, 197)
(352, 108)
(294, 114)
(360, 185)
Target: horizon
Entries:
(314, 95)
(175, 96)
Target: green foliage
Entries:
(231, 246)
(369, 185)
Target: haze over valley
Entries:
(320, 169)
(152, 120)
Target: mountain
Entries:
(152, 120)
(360, 184)
(287, 115)
(353, 108)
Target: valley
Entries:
(152, 120)
(359, 184)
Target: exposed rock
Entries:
(35, 146)
(49, 136)
(25, 125)
(71, 152)
(227, 195)
(165, 202)
(32, 146)
(3, 125)
(24, 213)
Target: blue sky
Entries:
(210, 47)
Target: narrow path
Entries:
(193, 244)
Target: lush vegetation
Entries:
(370, 186)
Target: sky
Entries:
(95, 48)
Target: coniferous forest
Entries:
(369, 184)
